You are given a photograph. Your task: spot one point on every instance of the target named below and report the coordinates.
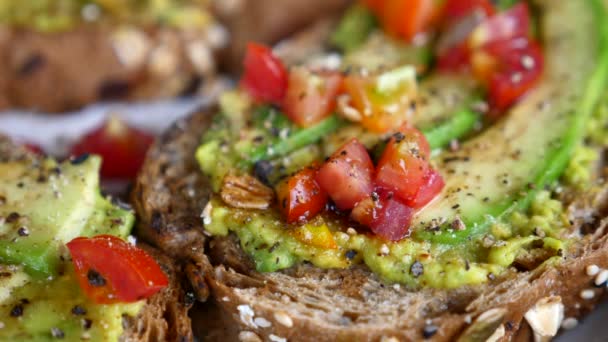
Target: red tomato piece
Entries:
(122, 147)
(408, 18)
(521, 66)
(404, 164)
(432, 186)
(457, 9)
(386, 215)
(455, 59)
(265, 76)
(393, 219)
(110, 270)
(510, 24)
(34, 148)
(311, 97)
(300, 197)
(347, 175)
(381, 113)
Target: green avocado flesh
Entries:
(47, 205)
(497, 209)
(61, 15)
(44, 205)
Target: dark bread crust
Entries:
(56, 72)
(164, 316)
(340, 305)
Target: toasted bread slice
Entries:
(311, 304)
(164, 316)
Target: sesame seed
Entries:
(592, 270)
(601, 278)
(283, 319)
(351, 231)
(262, 322)
(516, 77)
(275, 338)
(248, 336)
(384, 250)
(569, 323)
(587, 294)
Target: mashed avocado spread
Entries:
(503, 210)
(60, 15)
(43, 205)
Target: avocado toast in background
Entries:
(58, 56)
(43, 205)
(511, 244)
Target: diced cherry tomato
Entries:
(457, 9)
(455, 59)
(123, 148)
(110, 270)
(407, 18)
(404, 164)
(520, 67)
(386, 215)
(311, 97)
(393, 219)
(315, 234)
(432, 185)
(265, 76)
(347, 175)
(374, 5)
(300, 197)
(381, 111)
(507, 25)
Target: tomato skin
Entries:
(300, 197)
(404, 164)
(347, 175)
(432, 186)
(408, 18)
(124, 272)
(514, 78)
(265, 76)
(380, 113)
(33, 148)
(510, 24)
(122, 147)
(457, 9)
(311, 97)
(455, 59)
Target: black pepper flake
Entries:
(2, 200)
(262, 171)
(23, 231)
(57, 333)
(343, 152)
(398, 137)
(189, 298)
(17, 311)
(20, 185)
(351, 254)
(509, 325)
(87, 323)
(95, 279)
(417, 269)
(79, 310)
(429, 331)
(456, 206)
(12, 217)
(80, 159)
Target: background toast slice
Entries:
(311, 304)
(164, 316)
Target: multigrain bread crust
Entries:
(311, 304)
(54, 72)
(164, 316)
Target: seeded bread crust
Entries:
(56, 72)
(311, 304)
(164, 316)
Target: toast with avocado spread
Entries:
(40, 297)
(60, 56)
(420, 184)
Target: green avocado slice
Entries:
(45, 205)
(499, 171)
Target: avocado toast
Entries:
(511, 246)
(40, 295)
